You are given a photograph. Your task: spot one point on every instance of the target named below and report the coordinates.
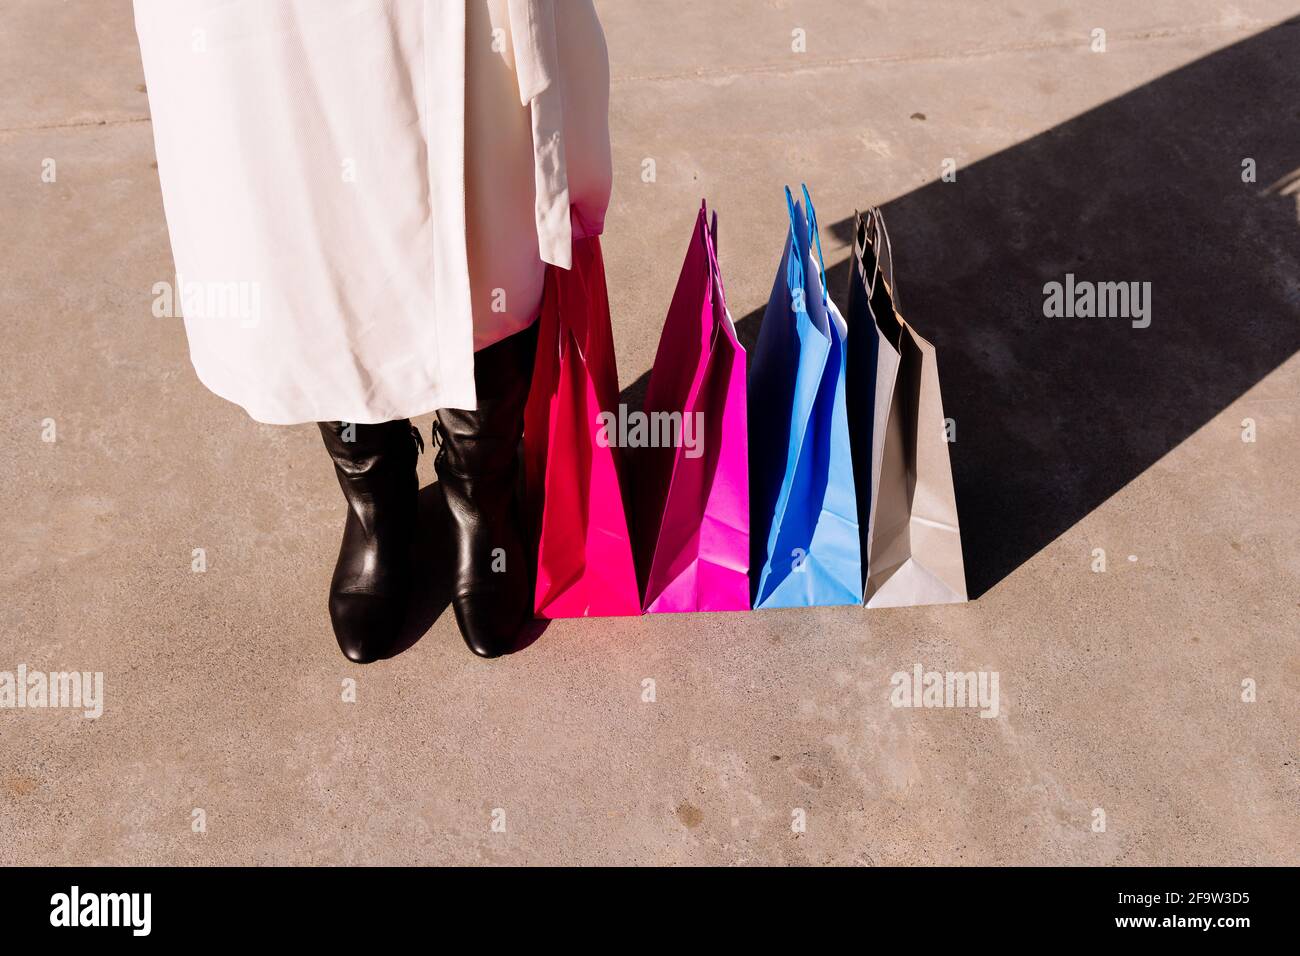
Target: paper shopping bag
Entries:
(692, 472)
(574, 486)
(804, 518)
(907, 510)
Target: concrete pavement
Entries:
(1122, 734)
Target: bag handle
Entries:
(711, 249)
(816, 235)
(885, 261)
(715, 266)
(794, 267)
(715, 276)
(862, 240)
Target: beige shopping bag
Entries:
(911, 542)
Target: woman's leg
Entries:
(478, 468)
(375, 465)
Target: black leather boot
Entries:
(372, 578)
(478, 468)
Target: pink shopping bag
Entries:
(574, 488)
(692, 470)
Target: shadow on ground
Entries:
(1056, 415)
(436, 548)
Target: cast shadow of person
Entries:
(1054, 415)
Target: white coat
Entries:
(360, 193)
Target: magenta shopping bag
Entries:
(585, 565)
(692, 459)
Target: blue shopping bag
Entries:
(803, 506)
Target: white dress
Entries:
(360, 193)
